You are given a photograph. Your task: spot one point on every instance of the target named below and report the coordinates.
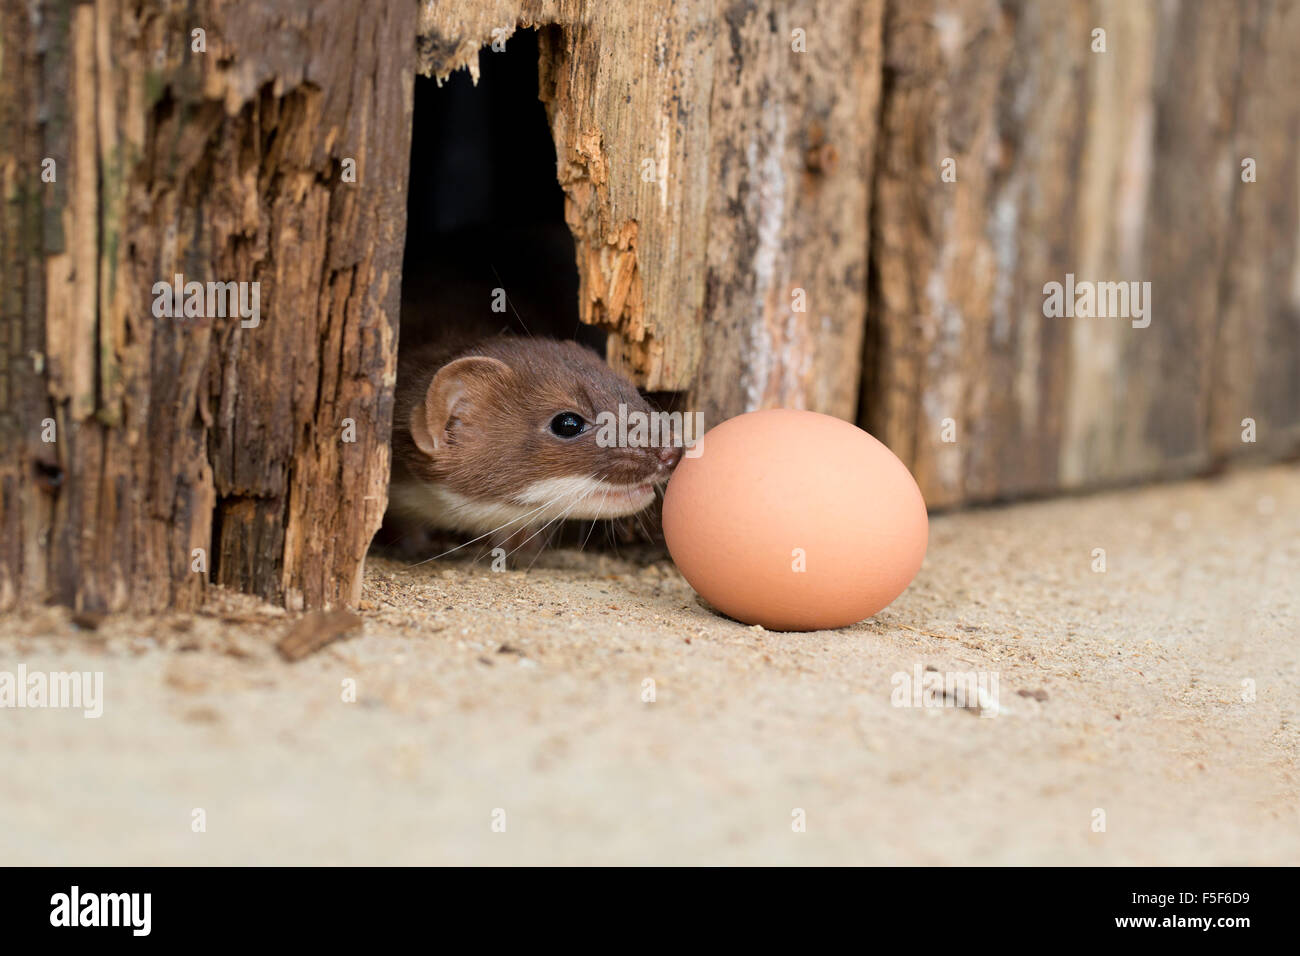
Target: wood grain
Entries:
(694, 269)
(316, 630)
(724, 165)
(1121, 165)
(223, 165)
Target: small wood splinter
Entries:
(315, 631)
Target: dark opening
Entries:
(484, 210)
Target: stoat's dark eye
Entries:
(567, 425)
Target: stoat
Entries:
(500, 436)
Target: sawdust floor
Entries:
(1124, 693)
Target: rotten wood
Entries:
(198, 449)
(726, 265)
(1123, 165)
(755, 189)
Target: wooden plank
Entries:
(683, 135)
(28, 466)
(1121, 165)
(957, 344)
(1257, 371)
(221, 165)
(792, 140)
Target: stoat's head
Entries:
(527, 428)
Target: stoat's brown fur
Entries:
(473, 449)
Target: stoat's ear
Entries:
(453, 394)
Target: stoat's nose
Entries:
(669, 456)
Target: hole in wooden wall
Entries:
(484, 209)
(485, 216)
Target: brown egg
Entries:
(795, 521)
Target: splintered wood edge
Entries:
(316, 630)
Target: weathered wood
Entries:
(790, 160)
(723, 164)
(1115, 166)
(222, 165)
(711, 169)
(316, 630)
(1257, 372)
(27, 466)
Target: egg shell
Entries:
(774, 489)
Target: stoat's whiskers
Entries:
(485, 534)
(553, 533)
(560, 517)
(578, 488)
(594, 521)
